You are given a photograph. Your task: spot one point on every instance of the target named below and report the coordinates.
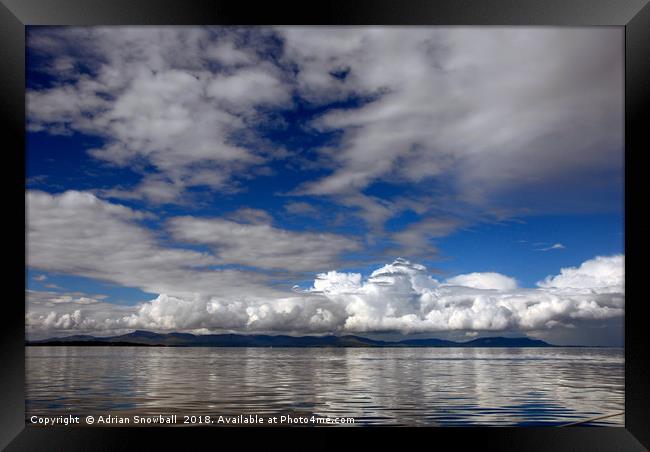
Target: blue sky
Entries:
(189, 178)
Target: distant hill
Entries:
(148, 338)
(506, 342)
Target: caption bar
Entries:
(249, 419)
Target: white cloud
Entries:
(48, 313)
(261, 245)
(478, 111)
(603, 273)
(169, 97)
(401, 296)
(482, 108)
(249, 87)
(485, 108)
(53, 286)
(52, 298)
(416, 239)
(488, 280)
(249, 215)
(78, 233)
(555, 246)
(227, 53)
(301, 208)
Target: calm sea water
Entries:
(385, 386)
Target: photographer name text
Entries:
(248, 419)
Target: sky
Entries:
(451, 182)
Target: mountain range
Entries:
(148, 338)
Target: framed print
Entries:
(345, 222)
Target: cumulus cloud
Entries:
(603, 273)
(401, 296)
(488, 280)
(49, 313)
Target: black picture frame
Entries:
(634, 15)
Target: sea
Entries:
(214, 386)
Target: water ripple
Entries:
(434, 386)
